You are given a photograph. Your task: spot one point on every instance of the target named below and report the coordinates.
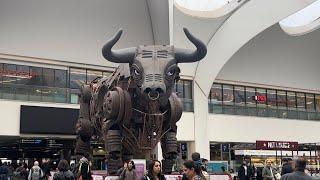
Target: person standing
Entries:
(35, 172)
(84, 171)
(64, 172)
(129, 173)
(154, 171)
(244, 172)
(3, 171)
(267, 171)
(192, 171)
(299, 174)
(286, 167)
(120, 170)
(20, 173)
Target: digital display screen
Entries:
(48, 120)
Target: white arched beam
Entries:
(248, 21)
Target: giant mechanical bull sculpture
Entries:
(134, 108)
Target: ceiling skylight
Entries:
(303, 21)
(207, 8)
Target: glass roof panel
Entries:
(303, 21)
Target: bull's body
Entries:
(135, 108)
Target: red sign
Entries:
(18, 74)
(260, 98)
(276, 145)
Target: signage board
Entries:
(215, 166)
(225, 148)
(276, 145)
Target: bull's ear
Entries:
(118, 56)
(187, 55)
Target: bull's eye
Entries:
(171, 72)
(136, 72)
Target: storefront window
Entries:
(179, 89)
(215, 152)
(215, 104)
(250, 101)
(36, 76)
(310, 106)
(188, 89)
(23, 74)
(77, 78)
(7, 91)
(74, 99)
(301, 105)
(1, 72)
(22, 93)
(282, 104)
(9, 75)
(60, 78)
(272, 103)
(228, 99)
(48, 77)
(261, 99)
(187, 100)
(48, 94)
(91, 75)
(317, 99)
(292, 108)
(35, 94)
(240, 100)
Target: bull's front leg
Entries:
(169, 147)
(113, 147)
(169, 142)
(84, 125)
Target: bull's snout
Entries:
(153, 93)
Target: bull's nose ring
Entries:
(152, 96)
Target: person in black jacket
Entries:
(154, 171)
(244, 172)
(286, 167)
(64, 172)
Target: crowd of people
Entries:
(290, 170)
(195, 169)
(22, 171)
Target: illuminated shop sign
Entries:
(263, 99)
(276, 145)
(18, 74)
(260, 98)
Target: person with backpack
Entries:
(84, 172)
(64, 172)
(35, 172)
(20, 173)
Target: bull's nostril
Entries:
(147, 90)
(153, 95)
(159, 90)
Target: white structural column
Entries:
(248, 21)
(200, 122)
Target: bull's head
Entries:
(154, 68)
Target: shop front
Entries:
(257, 153)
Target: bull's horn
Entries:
(187, 55)
(118, 56)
